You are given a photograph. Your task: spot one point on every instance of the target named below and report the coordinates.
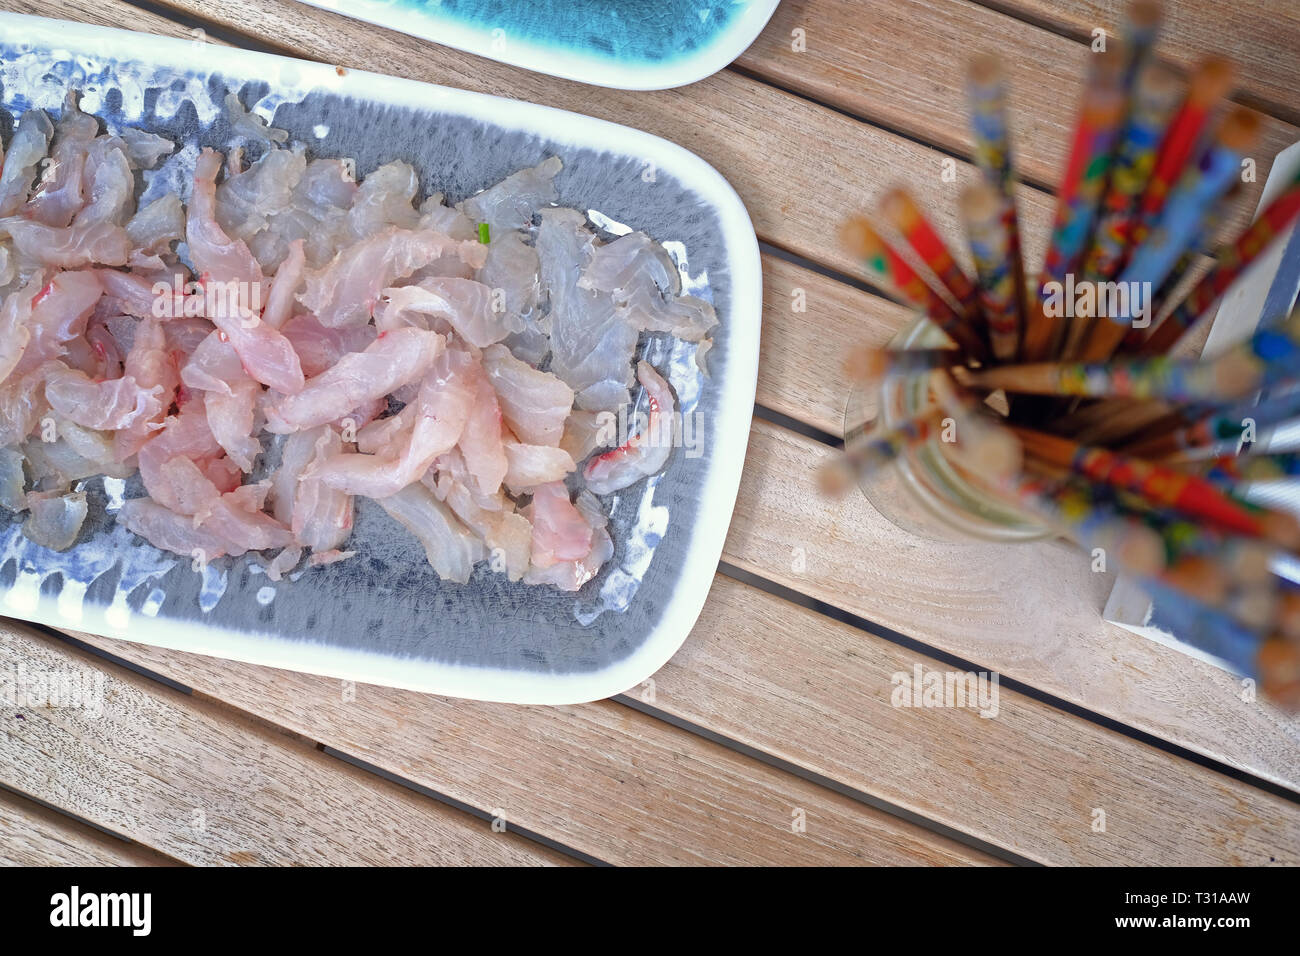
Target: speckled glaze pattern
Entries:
(631, 44)
(386, 607)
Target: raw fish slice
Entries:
(59, 195)
(22, 402)
(468, 306)
(513, 267)
(144, 149)
(231, 417)
(214, 366)
(535, 404)
(18, 171)
(532, 345)
(319, 348)
(280, 301)
(572, 575)
(108, 184)
(320, 558)
(643, 283)
(379, 435)
(151, 365)
(223, 473)
(59, 312)
(13, 480)
(155, 227)
(507, 534)
(584, 432)
(79, 245)
(322, 516)
(481, 442)
(135, 295)
(385, 198)
(392, 360)
(284, 562)
(226, 263)
(97, 352)
(296, 452)
(533, 465)
(186, 436)
(316, 214)
(646, 452)
(54, 518)
(346, 291)
(188, 488)
(437, 419)
(410, 307)
(76, 453)
(105, 406)
(451, 548)
(266, 355)
(169, 531)
(217, 256)
(560, 531)
(511, 203)
(435, 214)
(184, 336)
(607, 396)
(246, 202)
(238, 521)
(247, 124)
(15, 315)
(590, 342)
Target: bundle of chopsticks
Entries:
(1100, 431)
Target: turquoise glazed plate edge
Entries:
(698, 38)
(673, 596)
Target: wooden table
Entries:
(770, 737)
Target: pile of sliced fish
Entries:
(285, 339)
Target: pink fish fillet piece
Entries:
(346, 291)
(391, 361)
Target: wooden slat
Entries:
(602, 778)
(907, 72)
(33, 835)
(800, 370)
(1261, 36)
(817, 693)
(800, 168)
(181, 777)
(1030, 611)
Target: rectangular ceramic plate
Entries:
(384, 616)
(626, 44)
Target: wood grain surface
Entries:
(768, 678)
(601, 778)
(190, 780)
(1260, 36)
(34, 835)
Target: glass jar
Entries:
(921, 492)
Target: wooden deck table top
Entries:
(770, 737)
